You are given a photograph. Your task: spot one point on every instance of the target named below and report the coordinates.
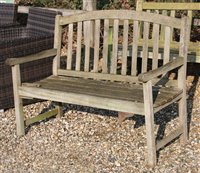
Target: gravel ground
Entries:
(88, 140)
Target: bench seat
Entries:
(116, 92)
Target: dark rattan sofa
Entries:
(8, 15)
(38, 35)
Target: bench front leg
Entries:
(18, 101)
(149, 123)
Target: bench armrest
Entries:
(33, 57)
(145, 77)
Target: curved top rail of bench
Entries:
(122, 15)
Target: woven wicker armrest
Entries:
(29, 58)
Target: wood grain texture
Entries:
(79, 46)
(96, 45)
(161, 70)
(18, 101)
(69, 46)
(149, 123)
(145, 47)
(87, 40)
(136, 33)
(29, 58)
(112, 89)
(115, 47)
(105, 46)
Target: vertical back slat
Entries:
(172, 14)
(96, 45)
(145, 47)
(69, 49)
(115, 47)
(125, 48)
(57, 45)
(155, 45)
(135, 47)
(167, 44)
(162, 32)
(87, 47)
(105, 46)
(78, 50)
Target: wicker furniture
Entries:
(20, 41)
(8, 15)
(126, 87)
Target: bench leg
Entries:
(182, 104)
(60, 110)
(19, 116)
(149, 123)
(18, 101)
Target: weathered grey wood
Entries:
(98, 76)
(40, 55)
(167, 38)
(105, 46)
(96, 45)
(149, 123)
(169, 138)
(135, 48)
(121, 15)
(81, 99)
(184, 38)
(115, 47)
(112, 89)
(155, 45)
(161, 70)
(18, 101)
(162, 31)
(172, 14)
(41, 117)
(57, 44)
(145, 47)
(69, 46)
(87, 46)
(170, 6)
(78, 49)
(125, 47)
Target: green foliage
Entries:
(72, 4)
(116, 4)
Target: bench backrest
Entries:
(8, 13)
(42, 20)
(96, 62)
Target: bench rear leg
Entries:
(19, 116)
(149, 123)
(182, 104)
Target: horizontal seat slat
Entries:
(104, 89)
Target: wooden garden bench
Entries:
(173, 9)
(128, 86)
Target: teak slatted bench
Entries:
(172, 9)
(139, 89)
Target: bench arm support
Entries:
(33, 57)
(145, 77)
